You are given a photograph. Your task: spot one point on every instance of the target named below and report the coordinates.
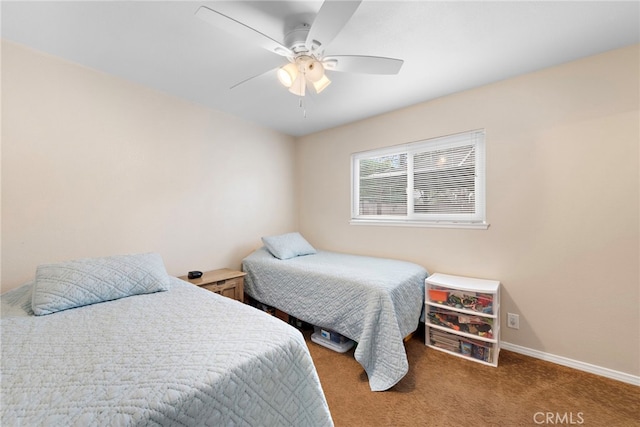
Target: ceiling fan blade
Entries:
(242, 31)
(362, 64)
(331, 18)
(253, 77)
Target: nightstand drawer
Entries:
(231, 282)
(219, 287)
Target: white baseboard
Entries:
(575, 364)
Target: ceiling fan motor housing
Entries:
(296, 39)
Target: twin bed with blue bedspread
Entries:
(374, 301)
(116, 341)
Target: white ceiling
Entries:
(447, 46)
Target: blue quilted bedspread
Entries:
(184, 357)
(374, 301)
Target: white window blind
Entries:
(439, 182)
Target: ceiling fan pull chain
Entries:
(301, 105)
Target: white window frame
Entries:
(477, 219)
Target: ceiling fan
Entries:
(304, 47)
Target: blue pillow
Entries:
(92, 280)
(288, 245)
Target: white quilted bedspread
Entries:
(374, 301)
(184, 357)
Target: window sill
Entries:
(426, 224)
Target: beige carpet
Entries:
(444, 390)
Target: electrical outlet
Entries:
(513, 321)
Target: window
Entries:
(436, 182)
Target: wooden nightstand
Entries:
(226, 282)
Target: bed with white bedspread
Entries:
(375, 302)
(182, 356)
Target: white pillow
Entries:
(288, 245)
(92, 280)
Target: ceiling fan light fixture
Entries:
(287, 75)
(314, 71)
(321, 84)
(299, 85)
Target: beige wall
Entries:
(562, 201)
(93, 165)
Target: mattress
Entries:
(183, 357)
(374, 301)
